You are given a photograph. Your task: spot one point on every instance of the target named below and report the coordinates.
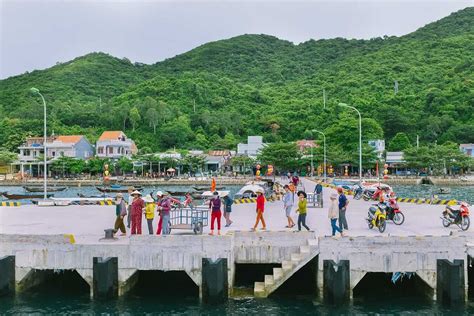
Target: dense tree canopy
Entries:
(219, 93)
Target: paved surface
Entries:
(87, 223)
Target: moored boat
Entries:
(24, 196)
(40, 189)
(116, 189)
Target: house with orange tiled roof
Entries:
(114, 145)
(75, 146)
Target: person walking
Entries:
(342, 204)
(120, 212)
(302, 209)
(149, 212)
(159, 196)
(165, 209)
(318, 193)
(260, 210)
(227, 209)
(215, 207)
(138, 206)
(333, 214)
(288, 202)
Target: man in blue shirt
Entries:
(318, 192)
(343, 201)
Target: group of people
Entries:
(139, 207)
(336, 212)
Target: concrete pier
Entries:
(40, 240)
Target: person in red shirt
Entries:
(260, 209)
(137, 212)
(215, 206)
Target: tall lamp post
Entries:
(324, 150)
(45, 173)
(360, 137)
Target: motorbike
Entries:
(358, 190)
(393, 212)
(371, 194)
(457, 216)
(377, 217)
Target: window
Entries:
(53, 153)
(100, 150)
(111, 150)
(26, 152)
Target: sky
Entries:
(36, 34)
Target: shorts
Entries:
(288, 211)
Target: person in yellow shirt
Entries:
(149, 212)
(302, 202)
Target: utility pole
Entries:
(417, 141)
(396, 87)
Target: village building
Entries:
(114, 145)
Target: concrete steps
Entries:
(288, 268)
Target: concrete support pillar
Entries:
(450, 281)
(336, 283)
(215, 283)
(105, 277)
(7, 275)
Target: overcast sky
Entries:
(35, 34)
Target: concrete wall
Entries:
(392, 254)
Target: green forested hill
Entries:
(217, 94)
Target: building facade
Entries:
(468, 149)
(378, 145)
(114, 145)
(74, 146)
(252, 148)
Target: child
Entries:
(302, 210)
(149, 212)
(333, 214)
(260, 210)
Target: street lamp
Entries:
(360, 137)
(36, 91)
(324, 150)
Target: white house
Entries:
(115, 144)
(75, 146)
(252, 148)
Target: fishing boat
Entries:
(116, 189)
(443, 191)
(205, 188)
(24, 196)
(40, 189)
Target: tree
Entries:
(125, 165)
(152, 118)
(7, 157)
(193, 162)
(134, 117)
(284, 156)
(399, 142)
(243, 162)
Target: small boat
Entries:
(205, 188)
(40, 189)
(178, 193)
(443, 191)
(24, 196)
(93, 196)
(116, 190)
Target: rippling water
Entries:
(40, 304)
(460, 193)
(92, 191)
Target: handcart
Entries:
(194, 218)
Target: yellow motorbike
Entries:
(377, 217)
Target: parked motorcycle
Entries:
(457, 215)
(358, 190)
(377, 217)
